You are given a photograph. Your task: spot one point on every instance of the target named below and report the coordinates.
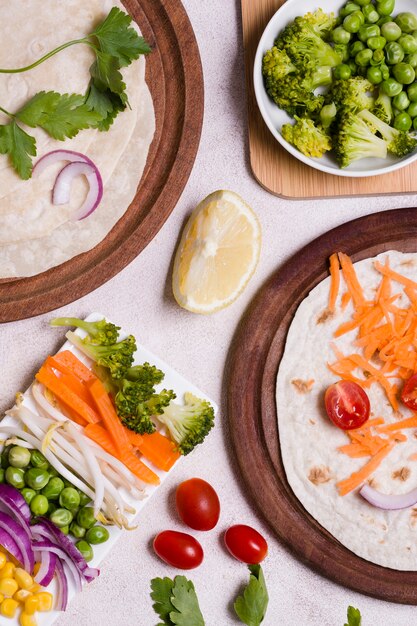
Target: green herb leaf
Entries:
(19, 146)
(354, 617)
(59, 115)
(251, 607)
(117, 38)
(105, 103)
(176, 602)
(106, 75)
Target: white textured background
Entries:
(139, 299)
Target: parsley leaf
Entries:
(106, 75)
(251, 607)
(59, 115)
(176, 602)
(19, 146)
(117, 38)
(354, 617)
(105, 103)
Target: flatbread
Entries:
(34, 234)
(309, 440)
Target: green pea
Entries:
(367, 31)
(36, 478)
(342, 50)
(61, 517)
(408, 43)
(65, 529)
(85, 517)
(411, 59)
(412, 92)
(350, 7)
(404, 73)
(371, 16)
(374, 75)
(412, 110)
(51, 509)
(385, 71)
(384, 20)
(403, 121)
(391, 88)
(391, 31)
(342, 72)
(19, 456)
(407, 22)
(352, 23)
(363, 3)
(393, 53)
(340, 35)
(353, 67)
(385, 7)
(2, 472)
(77, 531)
(355, 47)
(378, 57)
(5, 457)
(53, 472)
(39, 505)
(37, 459)
(85, 549)
(415, 123)
(360, 15)
(69, 498)
(53, 488)
(377, 43)
(15, 476)
(97, 534)
(84, 499)
(28, 494)
(401, 102)
(363, 58)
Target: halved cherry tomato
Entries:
(198, 504)
(178, 549)
(246, 544)
(347, 404)
(409, 393)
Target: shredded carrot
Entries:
(354, 450)
(357, 478)
(351, 280)
(335, 281)
(109, 416)
(345, 300)
(387, 271)
(409, 422)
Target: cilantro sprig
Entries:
(175, 601)
(252, 605)
(115, 44)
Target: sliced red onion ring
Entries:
(62, 591)
(15, 502)
(388, 502)
(48, 546)
(8, 542)
(47, 568)
(79, 165)
(8, 524)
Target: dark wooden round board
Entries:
(253, 363)
(174, 76)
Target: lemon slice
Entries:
(217, 254)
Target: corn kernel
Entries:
(27, 620)
(8, 570)
(21, 595)
(23, 579)
(35, 588)
(45, 601)
(1, 598)
(36, 568)
(8, 587)
(31, 605)
(3, 560)
(8, 607)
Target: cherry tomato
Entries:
(178, 549)
(409, 393)
(198, 504)
(246, 544)
(347, 405)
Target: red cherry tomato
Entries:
(347, 405)
(198, 504)
(246, 544)
(409, 393)
(178, 549)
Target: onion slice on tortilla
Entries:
(388, 502)
(79, 165)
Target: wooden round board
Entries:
(174, 76)
(253, 363)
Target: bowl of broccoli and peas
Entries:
(337, 86)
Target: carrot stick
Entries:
(351, 280)
(159, 450)
(69, 412)
(47, 377)
(335, 282)
(67, 363)
(102, 438)
(109, 416)
(357, 478)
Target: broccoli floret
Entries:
(322, 23)
(399, 142)
(141, 420)
(276, 64)
(351, 94)
(383, 108)
(308, 138)
(354, 140)
(117, 357)
(145, 372)
(101, 332)
(293, 93)
(189, 424)
(328, 115)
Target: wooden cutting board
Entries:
(273, 167)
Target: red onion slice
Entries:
(8, 524)
(58, 155)
(47, 568)
(62, 584)
(8, 542)
(62, 188)
(388, 502)
(48, 546)
(17, 505)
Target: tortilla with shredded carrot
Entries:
(371, 338)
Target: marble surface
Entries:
(140, 300)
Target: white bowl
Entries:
(275, 117)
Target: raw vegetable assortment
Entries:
(365, 63)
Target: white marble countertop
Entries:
(140, 300)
